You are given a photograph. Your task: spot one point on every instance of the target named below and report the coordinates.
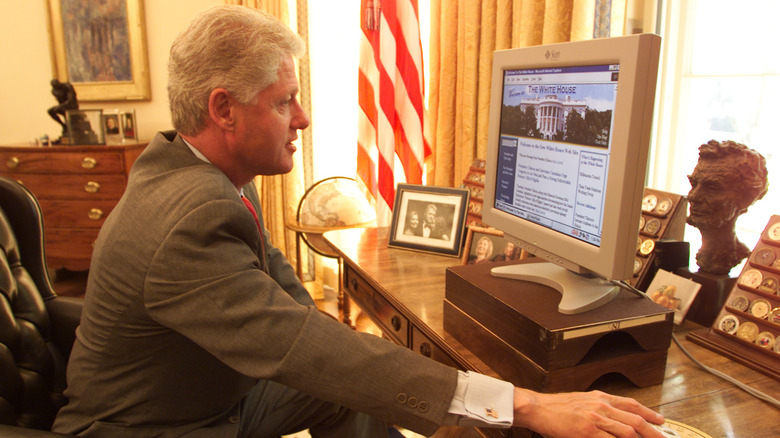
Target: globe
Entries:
(336, 202)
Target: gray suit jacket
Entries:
(180, 321)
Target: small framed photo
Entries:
(673, 292)
(429, 219)
(112, 127)
(487, 245)
(85, 127)
(129, 127)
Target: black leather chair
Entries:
(37, 327)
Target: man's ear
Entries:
(221, 108)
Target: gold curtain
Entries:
(279, 194)
(463, 36)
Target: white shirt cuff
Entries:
(481, 401)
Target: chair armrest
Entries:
(20, 432)
(65, 316)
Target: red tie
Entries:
(259, 229)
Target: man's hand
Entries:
(584, 414)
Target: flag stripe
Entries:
(391, 99)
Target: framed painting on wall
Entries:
(100, 48)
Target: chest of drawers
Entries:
(77, 187)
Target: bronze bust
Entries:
(729, 177)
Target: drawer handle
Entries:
(95, 214)
(88, 163)
(12, 162)
(425, 349)
(395, 321)
(92, 187)
(353, 284)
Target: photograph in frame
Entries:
(85, 127)
(429, 219)
(112, 127)
(673, 292)
(129, 127)
(101, 62)
(488, 245)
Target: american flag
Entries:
(390, 124)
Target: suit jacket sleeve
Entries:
(207, 269)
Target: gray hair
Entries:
(232, 47)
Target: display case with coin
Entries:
(475, 182)
(748, 325)
(663, 217)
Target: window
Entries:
(719, 80)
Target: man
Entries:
(434, 226)
(194, 325)
(728, 179)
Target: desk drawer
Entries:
(389, 320)
(38, 160)
(75, 214)
(53, 186)
(425, 346)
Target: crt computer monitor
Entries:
(568, 138)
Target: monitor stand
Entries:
(579, 293)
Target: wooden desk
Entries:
(403, 292)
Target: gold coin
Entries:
(751, 278)
(747, 331)
(774, 316)
(649, 202)
(647, 247)
(664, 206)
(769, 284)
(773, 232)
(641, 222)
(760, 308)
(765, 340)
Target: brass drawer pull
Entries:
(395, 321)
(425, 349)
(92, 187)
(88, 163)
(12, 162)
(95, 214)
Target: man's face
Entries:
(430, 216)
(715, 197)
(265, 131)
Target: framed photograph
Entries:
(429, 219)
(129, 128)
(85, 127)
(100, 48)
(112, 127)
(673, 292)
(487, 245)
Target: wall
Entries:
(25, 93)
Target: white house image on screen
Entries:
(551, 112)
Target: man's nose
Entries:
(300, 119)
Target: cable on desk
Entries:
(752, 391)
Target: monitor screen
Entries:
(568, 137)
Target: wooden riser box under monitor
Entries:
(515, 328)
